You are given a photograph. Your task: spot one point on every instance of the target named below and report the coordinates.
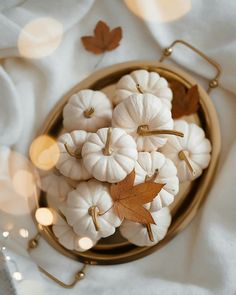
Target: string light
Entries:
(16, 274)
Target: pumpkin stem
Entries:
(183, 157)
(107, 149)
(139, 88)
(143, 130)
(89, 112)
(152, 177)
(94, 212)
(150, 233)
(76, 154)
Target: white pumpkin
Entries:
(110, 154)
(137, 233)
(88, 110)
(190, 154)
(70, 162)
(68, 238)
(88, 210)
(141, 115)
(156, 167)
(55, 184)
(142, 81)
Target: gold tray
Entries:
(115, 249)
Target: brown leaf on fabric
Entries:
(185, 102)
(129, 199)
(103, 40)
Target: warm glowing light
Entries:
(44, 216)
(44, 152)
(24, 233)
(3, 248)
(8, 258)
(17, 276)
(159, 10)
(23, 183)
(5, 234)
(85, 243)
(40, 37)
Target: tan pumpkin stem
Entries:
(76, 154)
(139, 88)
(94, 212)
(88, 113)
(107, 149)
(143, 130)
(183, 157)
(151, 178)
(150, 233)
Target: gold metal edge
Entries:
(186, 217)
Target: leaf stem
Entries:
(152, 177)
(100, 60)
(150, 233)
(100, 214)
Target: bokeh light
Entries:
(160, 11)
(24, 233)
(85, 243)
(5, 234)
(24, 183)
(40, 37)
(44, 216)
(44, 152)
(17, 276)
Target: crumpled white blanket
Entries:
(202, 259)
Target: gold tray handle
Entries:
(78, 277)
(212, 83)
(33, 244)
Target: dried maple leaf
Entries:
(184, 102)
(129, 199)
(103, 40)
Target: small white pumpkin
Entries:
(110, 154)
(146, 119)
(68, 238)
(70, 162)
(55, 184)
(89, 210)
(156, 167)
(138, 234)
(190, 154)
(88, 110)
(142, 81)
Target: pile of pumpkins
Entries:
(108, 138)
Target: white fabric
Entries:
(202, 259)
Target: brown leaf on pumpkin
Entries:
(129, 199)
(103, 40)
(184, 102)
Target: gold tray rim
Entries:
(136, 252)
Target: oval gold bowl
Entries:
(115, 249)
